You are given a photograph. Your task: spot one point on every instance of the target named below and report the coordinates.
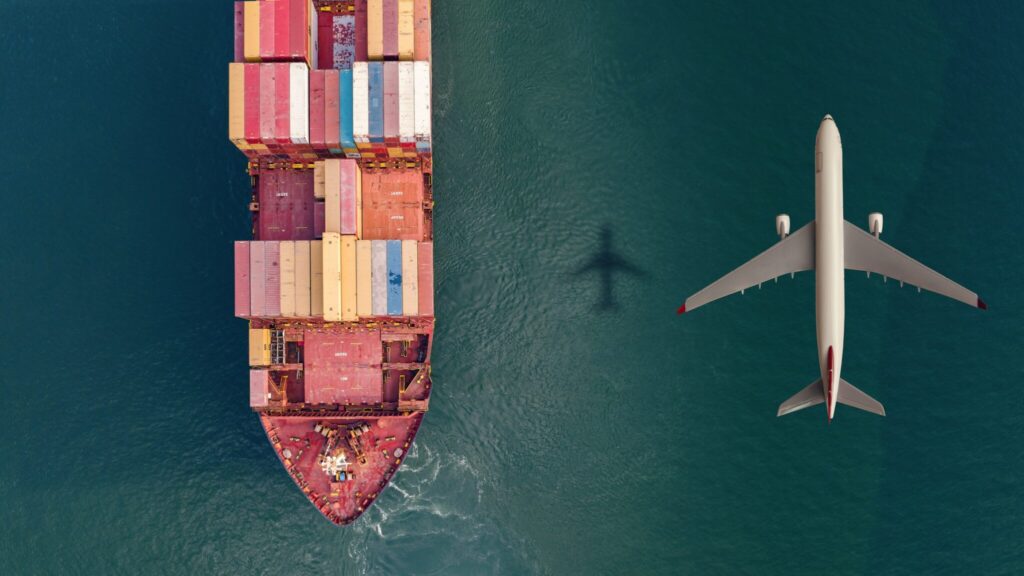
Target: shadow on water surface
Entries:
(606, 263)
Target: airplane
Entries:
(607, 262)
(829, 245)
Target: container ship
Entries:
(330, 103)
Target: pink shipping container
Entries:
(361, 31)
(421, 37)
(332, 132)
(390, 29)
(298, 29)
(349, 170)
(282, 101)
(257, 279)
(268, 87)
(316, 110)
(239, 32)
(391, 119)
(266, 31)
(319, 216)
(252, 103)
(426, 277)
(242, 279)
(259, 388)
(272, 256)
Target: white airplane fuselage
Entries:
(830, 294)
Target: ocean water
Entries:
(573, 430)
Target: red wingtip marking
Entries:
(683, 308)
(982, 305)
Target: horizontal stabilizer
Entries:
(812, 395)
(852, 396)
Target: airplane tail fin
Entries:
(812, 395)
(852, 396)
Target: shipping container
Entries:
(312, 42)
(302, 279)
(318, 180)
(259, 347)
(349, 184)
(252, 31)
(268, 89)
(343, 38)
(406, 25)
(332, 276)
(421, 37)
(421, 71)
(287, 258)
(332, 189)
(394, 277)
(406, 102)
(391, 102)
(317, 127)
(299, 103)
(360, 55)
(266, 30)
(379, 276)
(282, 34)
(319, 219)
(242, 279)
(325, 36)
(252, 106)
(239, 31)
(410, 278)
(360, 102)
(282, 102)
(345, 110)
(364, 278)
(390, 25)
(316, 279)
(236, 105)
(300, 13)
(257, 279)
(348, 279)
(376, 87)
(375, 29)
(259, 386)
(272, 258)
(332, 101)
(425, 278)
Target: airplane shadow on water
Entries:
(605, 264)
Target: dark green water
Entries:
(563, 437)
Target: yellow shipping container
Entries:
(251, 39)
(410, 279)
(348, 279)
(316, 278)
(364, 281)
(332, 276)
(287, 278)
(363, 146)
(332, 196)
(375, 29)
(395, 153)
(302, 277)
(236, 103)
(259, 347)
(318, 179)
(406, 47)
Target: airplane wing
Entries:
(794, 254)
(869, 254)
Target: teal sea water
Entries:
(564, 437)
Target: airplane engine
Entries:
(875, 223)
(782, 225)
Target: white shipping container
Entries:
(379, 276)
(298, 102)
(406, 102)
(422, 117)
(360, 102)
(410, 280)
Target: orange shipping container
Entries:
(332, 276)
(236, 105)
(287, 257)
(348, 279)
(316, 278)
(421, 36)
(406, 24)
(364, 280)
(375, 29)
(302, 278)
(410, 275)
(251, 43)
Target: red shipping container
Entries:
(268, 88)
(267, 31)
(282, 104)
(391, 29)
(319, 219)
(324, 34)
(252, 103)
(242, 279)
(316, 109)
(298, 28)
(282, 43)
(257, 279)
(361, 31)
(425, 277)
(332, 127)
(272, 257)
(391, 128)
(239, 32)
(349, 170)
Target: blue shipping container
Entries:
(376, 82)
(394, 277)
(345, 108)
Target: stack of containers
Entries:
(268, 108)
(390, 274)
(275, 31)
(342, 193)
(278, 279)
